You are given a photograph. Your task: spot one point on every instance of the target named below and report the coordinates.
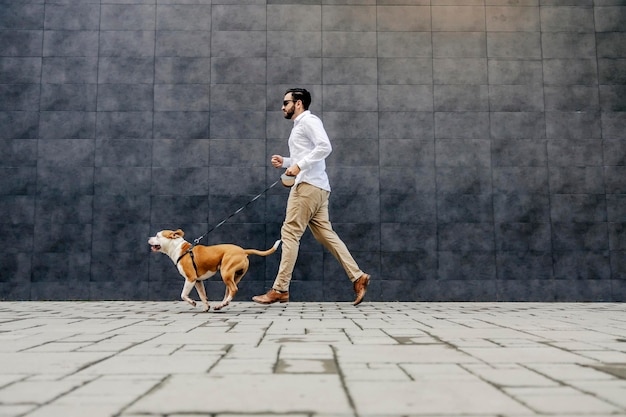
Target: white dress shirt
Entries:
(309, 146)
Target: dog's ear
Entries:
(178, 233)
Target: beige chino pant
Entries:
(308, 206)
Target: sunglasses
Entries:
(285, 102)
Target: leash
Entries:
(239, 210)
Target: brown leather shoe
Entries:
(271, 297)
(360, 288)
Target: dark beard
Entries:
(289, 114)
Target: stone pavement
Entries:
(127, 359)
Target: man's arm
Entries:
(314, 130)
(279, 161)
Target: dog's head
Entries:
(164, 239)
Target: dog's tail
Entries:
(263, 253)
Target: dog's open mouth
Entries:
(156, 248)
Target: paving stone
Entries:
(569, 372)
(278, 394)
(15, 410)
(373, 372)
(432, 397)
(550, 400)
(59, 347)
(306, 351)
(244, 366)
(605, 356)
(35, 392)
(524, 355)
(254, 352)
(306, 366)
(109, 392)
(613, 391)
(438, 372)
(512, 375)
(6, 379)
(76, 410)
(55, 363)
(402, 354)
(153, 365)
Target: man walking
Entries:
(307, 205)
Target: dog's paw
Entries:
(193, 303)
(220, 306)
(206, 308)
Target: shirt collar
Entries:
(300, 116)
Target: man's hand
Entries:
(277, 161)
(293, 170)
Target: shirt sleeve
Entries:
(314, 129)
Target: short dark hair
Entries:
(302, 95)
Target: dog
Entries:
(197, 263)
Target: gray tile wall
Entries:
(479, 145)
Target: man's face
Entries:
(289, 106)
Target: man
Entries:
(307, 205)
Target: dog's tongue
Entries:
(156, 248)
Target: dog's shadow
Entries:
(234, 312)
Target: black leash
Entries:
(240, 209)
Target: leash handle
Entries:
(239, 210)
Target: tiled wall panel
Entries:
(479, 146)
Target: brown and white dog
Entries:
(197, 263)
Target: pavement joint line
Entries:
(264, 334)
(90, 364)
(140, 397)
(496, 386)
(565, 385)
(277, 359)
(342, 379)
(39, 406)
(228, 349)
